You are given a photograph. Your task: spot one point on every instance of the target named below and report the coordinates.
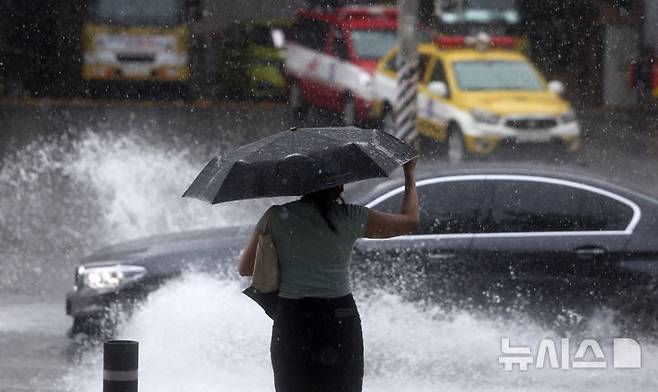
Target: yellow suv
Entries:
(477, 98)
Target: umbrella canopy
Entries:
(300, 161)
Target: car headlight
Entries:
(485, 117)
(108, 277)
(568, 117)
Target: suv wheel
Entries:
(426, 146)
(456, 146)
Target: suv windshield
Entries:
(478, 11)
(137, 12)
(373, 44)
(493, 5)
(496, 75)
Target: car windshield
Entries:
(373, 44)
(496, 75)
(137, 12)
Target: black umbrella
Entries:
(300, 161)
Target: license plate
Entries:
(136, 70)
(533, 138)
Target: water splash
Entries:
(200, 333)
(65, 195)
(139, 185)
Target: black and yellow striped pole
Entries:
(120, 363)
(407, 65)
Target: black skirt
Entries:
(317, 345)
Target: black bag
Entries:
(267, 301)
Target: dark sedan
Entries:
(491, 239)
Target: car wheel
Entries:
(296, 102)
(388, 121)
(348, 116)
(571, 155)
(86, 326)
(456, 146)
(92, 326)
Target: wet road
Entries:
(77, 175)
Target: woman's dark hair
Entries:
(324, 200)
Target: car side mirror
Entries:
(556, 86)
(438, 88)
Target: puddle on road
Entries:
(33, 317)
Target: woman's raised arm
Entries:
(382, 225)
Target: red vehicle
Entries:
(331, 57)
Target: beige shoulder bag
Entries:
(266, 266)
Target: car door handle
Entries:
(589, 251)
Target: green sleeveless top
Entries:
(313, 260)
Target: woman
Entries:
(317, 344)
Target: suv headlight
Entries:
(108, 277)
(568, 117)
(485, 117)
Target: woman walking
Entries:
(317, 343)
